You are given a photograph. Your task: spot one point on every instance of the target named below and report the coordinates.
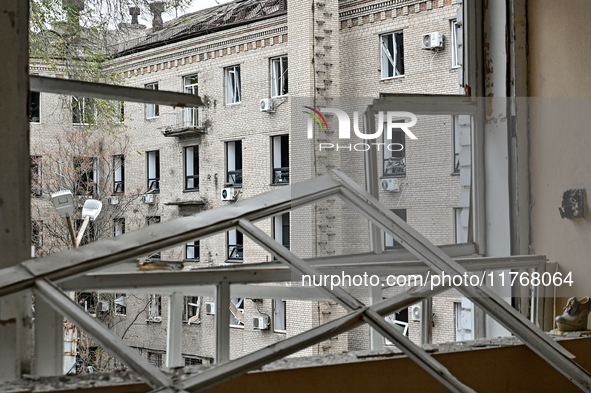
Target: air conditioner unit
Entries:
(267, 105)
(433, 40)
(210, 308)
(391, 185)
(415, 312)
(228, 194)
(261, 323)
(149, 199)
(114, 200)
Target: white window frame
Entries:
(279, 315)
(191, 309)
(279, 76)
(234, 249)
(118, 174)
(455, 43)
(152, 110)
(83, 109)
(153, 170)
(118, 226)
(457, 147)
(191, 166)
(389, 242)
(233, 85)
(235, 322)
(390, 57)
(195, 247)
(231, 163)
(279, 172)
(191, 115)
(154, 307)
(279, 226)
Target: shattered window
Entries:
(392, 48)
(233, 87)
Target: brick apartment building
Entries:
(256, 64)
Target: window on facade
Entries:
(83, 110)
(279, 76)
(400, 322)
(235, 247)
(280, 148)
(87, 300)
(151, 221)
(395, 154)
(153, 170)
(281, 229)
(233, 87)
(192, 250)
(392, 51)
(191, 309)
(191, 86)
(155, 359)
(457, 145)
(120, 111)
(461, 232)
(152, 110)
(36, 237)
(279, 315)
(192, 168)
(90, 234)
(193, 361)
(118, 174)
(154, 306)
(36, 189)
(86, 175)
(118, 226)
(234, 162)
(455, 44)
(34, 107)
(389, 242)
(237, 312)
(120, 304)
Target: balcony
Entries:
(188, 122)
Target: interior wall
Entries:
(559, 34)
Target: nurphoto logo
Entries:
(392, 122)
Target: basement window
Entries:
(392, 55)
(233, 86)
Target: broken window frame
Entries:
(280, 159)
(153, 170)
(86, 175)
(233, 85)
(120, 304)
(279, 316)
(83, 111)
(235, 322)
(34, 107)
(155, 358)
(234, 163)
(118, 174)
(118, 226)
(191, 168)
(191, 86)
(154, 308)
(398, 323)
(279, 76)
(392, 55)
(235, 245)
(191, 309)
(192, 251)
(152, 110)
(394, 161)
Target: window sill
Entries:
(455, 174)
(279, 184)
(391, 78)
(152, 118)
(190, 260)
(392, 177)
(283, 96)
(234, 261)
(280, 331)
(233, 103)
(237, 327)
(192, 190)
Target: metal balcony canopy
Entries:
(38, 274)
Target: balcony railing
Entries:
(187, 122)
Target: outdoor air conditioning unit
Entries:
(114, 200)
(210, 308)
(261, 323)
(415, 312)
(267, 105)
(228, 194)
(433, 40)
(391, 185)
(149, 199)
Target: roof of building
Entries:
(205, 21)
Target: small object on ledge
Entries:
(582, 333)
(575, 315)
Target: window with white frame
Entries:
(151, 221)
(280, 152)
(233, 86)
(120, 304)
(86, 175)
(234, 163)
(389, 242)
(237, 312)
(192, 250)
(36, 185)
(281, 229)
(191, 86)
(191, 307)
(392, 55)
(118, 226)
(34, 107)
(279, 86)
(235, 246)
(192, 168)
(152, 110)
(153, 170)
(279, 315)
(394, 154)
(154, 307)
(83, 110)
(457, 145)
(461, 231)
(456, 40)
(399, 321)
(118, 174)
